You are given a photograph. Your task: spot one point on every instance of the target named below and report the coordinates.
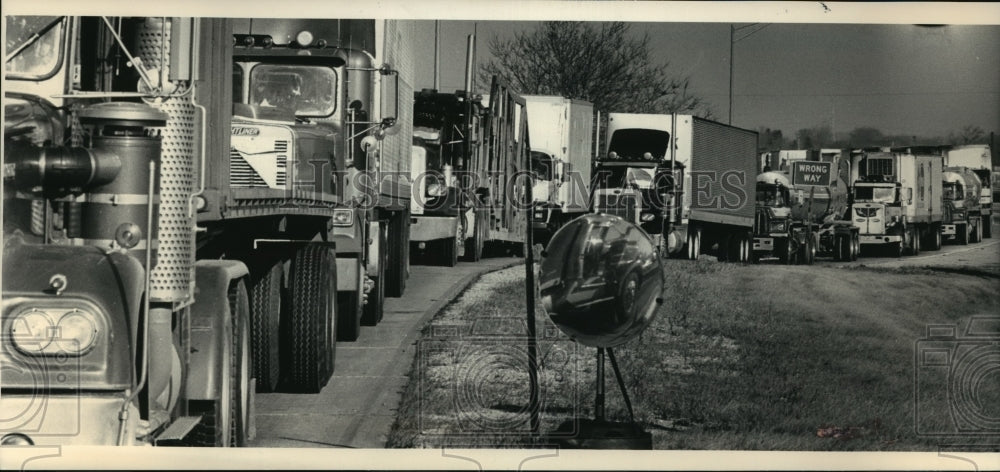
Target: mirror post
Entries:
(529, 292)
(599, 396)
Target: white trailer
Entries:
(713, 165)
(898, 198)
(561, 131)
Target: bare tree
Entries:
(602, 63)
(969, 134)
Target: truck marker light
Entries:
(304, 38)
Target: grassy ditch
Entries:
(740, 357)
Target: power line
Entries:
(871, 94)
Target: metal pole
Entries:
(437, 55)
(599, 398)
(529, 289)
(732, 34)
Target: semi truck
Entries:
(348, 84)
(561, 143)
(977, 158)
(795, 223)
(897, 198)
(692, 195)
(963, 221)
(445, 219)
(183, 247)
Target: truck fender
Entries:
(209, 322)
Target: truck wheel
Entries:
(310, 331)
(812, 251)
(977, 232)
(474, 244)
(397, 254)
(226, 422)
(962, 234)
(916, 242)
(375, 307)
(786, 252)
(987, 226)
(350, 308)
(265, 316)
(806, 251)
(693, 243)
(936, 241)
(842, 249)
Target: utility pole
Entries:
(732, 41)
(437, 55)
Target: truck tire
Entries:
(843, 248)
(311, 327)
(375, 307)
(398, 254)
(855, 246)
(977, 232)
(987, 226)
(225, 422)
(786, 252)
(265, 316)
(448, 252)
(962, 234)
(915, 249)
(807, 252)
(693, 245)
(935, 238)
(350, 309)
(474, 244)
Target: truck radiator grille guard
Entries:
(243, 175)
(623, 205)
(174, 270)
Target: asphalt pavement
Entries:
(357, 407)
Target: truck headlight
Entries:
(343, 217)
(436, 190)
(54, 331)
(647, 217)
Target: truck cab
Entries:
(773, 219)
(877, 211)
(962, 211)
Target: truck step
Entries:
(177, 431)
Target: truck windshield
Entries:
(541, 165)
(634, 144)
(621, 177)
(772, 196)
(40, 56)
(952, 191)
(308, 91)
(875, 194)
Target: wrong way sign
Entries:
(812, 173)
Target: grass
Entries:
(740, 357)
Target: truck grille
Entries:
(880, 167)
(243, 175)
(623, 205)
(761, 223)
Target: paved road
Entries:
(358, 406)
(983, 256)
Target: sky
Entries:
(902, 79)
(847, 69)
